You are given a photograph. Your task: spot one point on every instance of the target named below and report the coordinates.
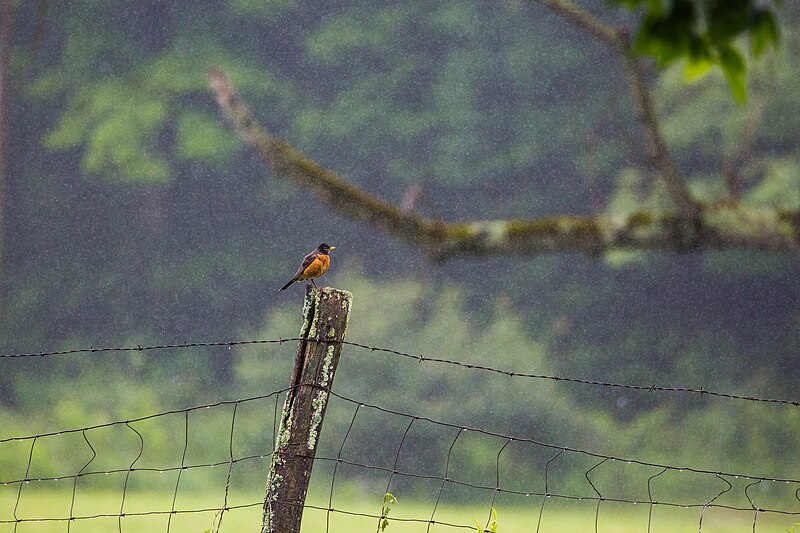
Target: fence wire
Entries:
(395, 467)
(701, 391)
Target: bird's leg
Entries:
(314, 284)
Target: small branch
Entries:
(585, 21)
(411, 198)
(657, 150)
(636, 77)
(716, 227)
(731, 166)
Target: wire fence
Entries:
(438, 462)
(417, 357)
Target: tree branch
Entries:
(330, 188)
(636, 77)
(718, 227)
(585, 21)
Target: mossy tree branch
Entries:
(330, 188)
(714, 227)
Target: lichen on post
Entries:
(326, 312)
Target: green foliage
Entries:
(733, 66)
(703, 33)
(730, 436)
(779, 186)
(119, 122)
(491, 108)
(635, 192)
(388, 501)
(357, 32)
(115, 123)
(202, 137)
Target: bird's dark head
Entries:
(324, 248)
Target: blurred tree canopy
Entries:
(133, 213)
(704, 33)
(689, 225)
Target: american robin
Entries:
(314, 265)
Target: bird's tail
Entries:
(290, 282)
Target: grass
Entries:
(556, 518)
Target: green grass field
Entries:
(559, 518)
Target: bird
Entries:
(313, 266)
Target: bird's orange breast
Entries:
(317, 267)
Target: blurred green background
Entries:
(134, 215)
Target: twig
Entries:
(636, 77)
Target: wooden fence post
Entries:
(325, 315)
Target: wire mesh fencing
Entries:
(204, 468)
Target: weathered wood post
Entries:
(325, 315)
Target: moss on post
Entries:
(325, 316)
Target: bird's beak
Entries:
(332, 248)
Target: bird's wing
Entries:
(307, 260)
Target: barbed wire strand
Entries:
(145, 348)
(702, 391)
(580, 381)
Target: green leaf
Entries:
(735, 71)
(667, 35)
(696, 69)
(478, 526)
(763, 33)
(727, 19)
(388, 501)
(703, 33)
